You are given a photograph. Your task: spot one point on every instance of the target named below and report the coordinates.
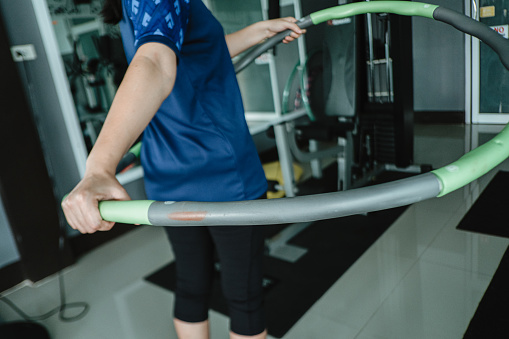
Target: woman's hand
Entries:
(246, 38)
(278, 25)
(81, 205)
(146, 84)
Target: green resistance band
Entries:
(402, 192)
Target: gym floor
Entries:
(421, 279)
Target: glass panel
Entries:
(494, 78)
(254, 81)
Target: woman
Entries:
(181, 90)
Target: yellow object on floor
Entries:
(273, 172)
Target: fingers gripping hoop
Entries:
(338, 204)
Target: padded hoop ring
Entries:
(333, 205)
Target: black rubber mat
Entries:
(491, 317)
(488, 214)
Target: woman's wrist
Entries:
(264, 31)
(99, 167)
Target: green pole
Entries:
(395, 7)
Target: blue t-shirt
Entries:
(198, 146)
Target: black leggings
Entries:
(240, 251)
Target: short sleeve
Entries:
(163, 21)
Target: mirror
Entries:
(93, 57)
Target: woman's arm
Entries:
(147, 82)
(251, 35)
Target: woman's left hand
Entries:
(246, 38)
(275, 26)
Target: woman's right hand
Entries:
(81, 206)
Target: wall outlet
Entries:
(23, 52)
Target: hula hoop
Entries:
(338, 204)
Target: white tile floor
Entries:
(421, 279)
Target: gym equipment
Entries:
(333, 205)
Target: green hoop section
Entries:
(395, 7)
(474, 164)
(136, 150)
(128, 212)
